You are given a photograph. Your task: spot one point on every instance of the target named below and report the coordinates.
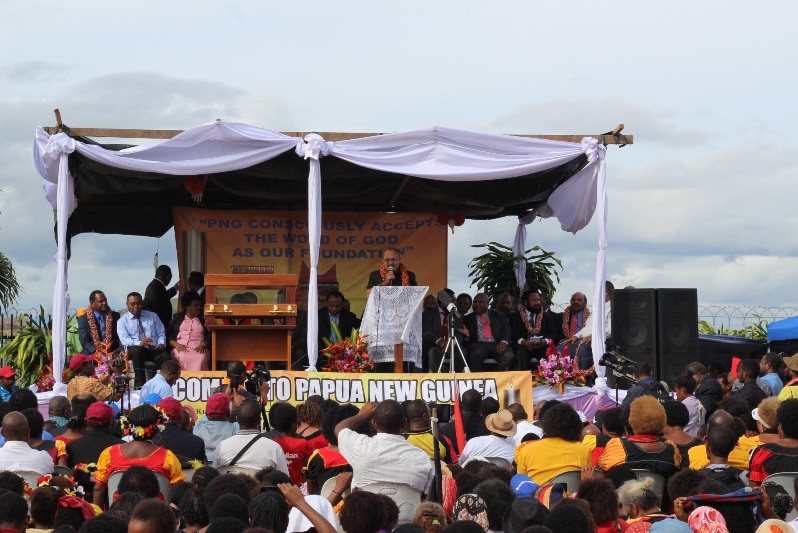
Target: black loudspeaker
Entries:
(634, 326)
(677, 331)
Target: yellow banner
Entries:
(194, 388)
(351, 246)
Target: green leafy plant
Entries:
(31, 350)
(9, 287)
(493, 272)
(757, 331)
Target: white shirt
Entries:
(385, 457)
(523, 427)
(265, 453)
(587, 327)
(489, 446)
(696, 411)
(16, 455)
(157, 385)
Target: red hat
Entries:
(218, 407)
(7, 372)
(172, 408)
(99, 414)
(78, 359)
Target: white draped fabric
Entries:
(393, 316)
(434, 153)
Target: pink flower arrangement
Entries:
(558, 370)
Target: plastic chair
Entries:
(786, 480)
(113, 485)
(62, 470)
(571, 478)
(406, 497)
(30, 477)
(659, 479)
(328, 487)
(499, 461)
(233, 469)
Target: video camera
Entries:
(120, 379)
(615, 360)
(259, 375)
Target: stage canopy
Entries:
(224, 165)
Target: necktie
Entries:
(100, 319)
(142, 335)
(333, 321)
(486, 327)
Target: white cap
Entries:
(755, 416)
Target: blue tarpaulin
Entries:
(783, 330)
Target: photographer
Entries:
(642, 373)
(243, 387)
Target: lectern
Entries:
(250, 316)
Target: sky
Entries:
(703, 198)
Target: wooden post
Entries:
(398, 358)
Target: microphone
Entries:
(446, 299)
(390, 268)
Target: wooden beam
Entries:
(128, 133)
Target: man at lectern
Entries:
(391, 272)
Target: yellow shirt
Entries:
(546, 458)
(737, 458)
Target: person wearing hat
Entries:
(790, 389)
(87, 449)
(85, 381)
(765, 417)
(8, 378)
(184, 444)
(496, 444)
(214, 427)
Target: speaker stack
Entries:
(659, 326)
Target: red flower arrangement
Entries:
(347, 355)
(558, 370)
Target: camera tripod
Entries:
(451, 344)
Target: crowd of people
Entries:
(698, 460)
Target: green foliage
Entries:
(493, 274)
(32, 347)
(9, 287)
(757, 331)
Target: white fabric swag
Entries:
(435, 153)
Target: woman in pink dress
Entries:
(188, 336)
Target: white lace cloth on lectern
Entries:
(393, 316)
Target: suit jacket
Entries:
(346, 321)
(555, 319)
(88, 448)
(549, 328)
(157, 298)
(498, 326)
(184, 444)
(375, 279)
(431, 328)
(174, 328)
(84, 333)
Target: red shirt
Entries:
(296, 450)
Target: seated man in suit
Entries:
(98, 325)
(143, 334)
(531, 329)
(334, 313)
(488, 336)
(435, 334)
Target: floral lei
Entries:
(143, 432)
(525, 319)
(400, 268)
(566, 320)
(95, 332)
